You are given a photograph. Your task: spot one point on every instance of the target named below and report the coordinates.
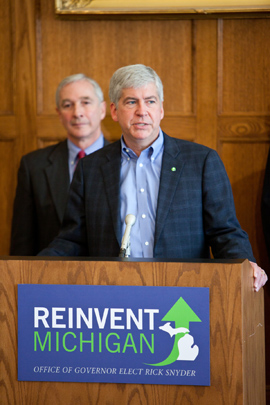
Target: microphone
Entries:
(125, 244)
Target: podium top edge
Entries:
(120, 259)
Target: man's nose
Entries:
(77, 110)
(141, 109)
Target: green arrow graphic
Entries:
(181, 314)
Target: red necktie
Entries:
(80, 155)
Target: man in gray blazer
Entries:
(44, 175)
(178, 191)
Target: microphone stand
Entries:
(125, 244)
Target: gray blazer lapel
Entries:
(57, 174)
(111, 176)
(170, 176)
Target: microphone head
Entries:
(130, 219)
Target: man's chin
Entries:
(80, 135)
(81, 132)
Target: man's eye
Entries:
(66, 106)
(131, 102)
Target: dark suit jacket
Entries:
(195, 207)
(40, 201)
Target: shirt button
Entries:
(146, 243)
(128, 158)
(141, 165)
(127, 150)
(142, 190)
(143, 216)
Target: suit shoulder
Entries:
(107, 151)
(106, 142)
(39, 155)
(187, 147)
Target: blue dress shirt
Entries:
(73, 151)
(139, 186)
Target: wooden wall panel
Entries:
(245, 164)
(6, 60)
(206, 83)
(243, 128)
(17, 101)
(244, 117)
(87, 55)
(246, 67)
(7, 152)
(98, 48)
(7, 122)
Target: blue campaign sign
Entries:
(115, 334)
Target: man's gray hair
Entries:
(134, 76)
(75, 78)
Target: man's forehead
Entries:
(81, 87)
(79, 98)
(78, 93)
(148, 90)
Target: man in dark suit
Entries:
(44, 175)
(178, 191)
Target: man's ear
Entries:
(114, 112)
(59, 113)
(103, 110)
(162, 110)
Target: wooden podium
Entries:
(237, 348)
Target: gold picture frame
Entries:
(172, 7)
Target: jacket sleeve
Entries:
(23, 232)
(223, 231)
(72, 238)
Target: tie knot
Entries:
(81, 154)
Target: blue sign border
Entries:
(122, 341)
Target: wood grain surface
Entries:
(236, 332)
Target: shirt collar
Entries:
(73, 150)
(152, 151)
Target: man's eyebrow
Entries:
(150, 97)
(65, 100)
(136, 98)
(130, 98)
